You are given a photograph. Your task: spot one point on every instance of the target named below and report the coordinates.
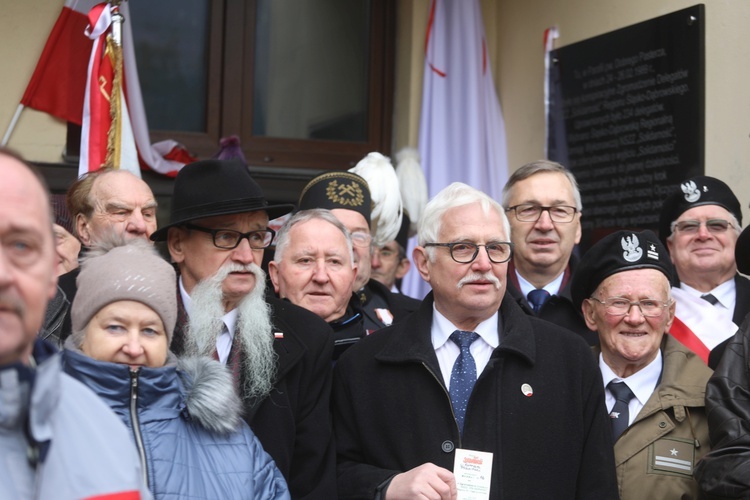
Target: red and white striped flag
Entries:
(461, 129)
(106, 133)
(61, 84)
(698, 324)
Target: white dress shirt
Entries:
(447, 351)
(642, 383)
(726, 294)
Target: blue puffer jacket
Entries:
(185, 420)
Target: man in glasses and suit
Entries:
(278, 353)
(543, 205)
(655, 386)
(469, 372)
(700, 222)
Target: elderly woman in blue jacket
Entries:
(184, 415)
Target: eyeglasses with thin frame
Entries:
(714, 226)
(464, 252)
(620, 306)
(531, 212)
(229, 239)
(361, 239)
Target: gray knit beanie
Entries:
(125, 270)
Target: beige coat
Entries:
(655, 456)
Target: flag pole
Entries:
(12, 125)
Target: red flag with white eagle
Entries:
(74, 80)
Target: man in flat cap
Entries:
(544, 209)
(700, 222)
(347, 196)
(655, 386)
(278, 353)
(469, 372)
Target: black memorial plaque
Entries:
(626, 115)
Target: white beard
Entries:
(254, 327)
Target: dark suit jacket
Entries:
(558, 309)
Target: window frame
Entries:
(230, 95)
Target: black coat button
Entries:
(448, 446)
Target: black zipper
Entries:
(135, 423)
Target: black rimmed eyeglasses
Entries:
(464, 253)
(229, 239)
(530, 212)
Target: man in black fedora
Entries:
(278, 353)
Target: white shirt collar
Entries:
(553, 287)
(726, 293)
(642, 383)
(442, 328)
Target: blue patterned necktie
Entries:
(620, 414)
(537, 298)
(463, 375)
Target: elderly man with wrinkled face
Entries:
(314, 268)
(480, 371)
(654, 385)
(279, 353)
(103, 202)
(347, 196)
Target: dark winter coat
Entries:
(392, 411)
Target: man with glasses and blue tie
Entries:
(655, 386)
(278, 353)
(700, 222)
(469, 394)
(543, 205)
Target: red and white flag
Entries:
(699, 325)
(58, 82)
(106, 133)
(62, 83)
(461, 130)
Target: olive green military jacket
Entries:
(656, 455)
